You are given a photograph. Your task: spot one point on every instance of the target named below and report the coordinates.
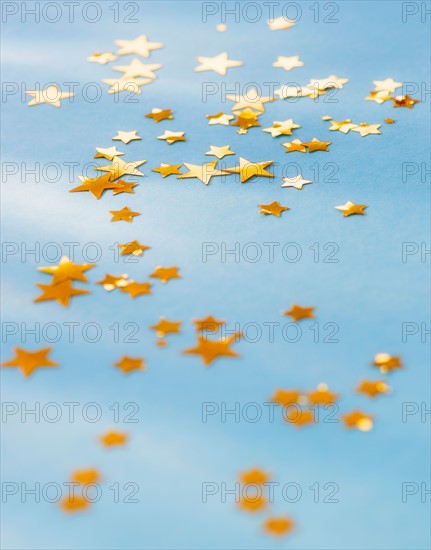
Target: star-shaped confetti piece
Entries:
(350, 208)
(252, 503)
(110, 282)
(125, 214)
(108, 152)
(404, 101)
(61, 292)
(387, 85)
(373, 388)
(389, 120)
(139, 46)
(256, 476)
(130, 85)
(101, 58)
(122, 186)
(322, 396)
(133, 248)
(114, 439)
(160, 114)
(95, 186)
(67, 270)
(298, 312)
(167, 169)
(172, 137)
(208, 323)
(358, 420)
(343, 126)
(120, 168)
(165, 274)
(246, 119)
(210, 350)
(295, 145)
(137, 68)
(219, 118)
(288, 63)
(379, 97)
(299, 418)
(273, 208)
(29, 361)
(331, 81)
(366, 129)
(126, 137)
(317, 145)
(84, 477)
(252, 100)
(219, 64)
(164, 327)
(128, 364)
(287, 91)
(74, 503)
(297, 182)
(282, 128)
(286, 397)
(280, 23)
(248, 169)
(51, 95)
(203, 172)
(278, 526)
(220, 152)
(134, 289)
(387, 363)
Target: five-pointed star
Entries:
(84, 477)
(219, 64)
(387, 363)
(164, 274)
(172, 137)
(61, 293)
(255, 476)
(219, 152)
(167, 169)
(122, 186)
(280, 23)
(248, 169)
(359, 420)
(29, 361)
(322, 396)
(101, 58)
(113, 438)
(96, 186)
(203, 172)
(387, 85)
(52, 95)
(297, 182)
(404, 101)
(160, 114)
(366, 129)
(164, 327)
(126, 137)
(273, 208)
(331, 81)
(373, 388)
(286, 397)
(208, 323)
(342, 126)
(137, 68)
(350, 208)
(120, 168)
(138, 46)
(252, 99)
(125, 214)
(133, 248)
(108, 152)
(246, 119)
(298, 313)
(128, 364)
(288, 63)
(379, 97)
(135, 289)
(210, 350)
(317, 145)
(219, 118)
(67, 270)
(300, 418)
(287, 91)
(295, 145)
(131, 85)
(282, 127)
(110, 282)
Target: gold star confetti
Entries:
(219, 64)
(122, 186)
(219, 118)
(280, 128)
(110, 282)
(203, 172)
(366, 129)
(322, 396)
(358, 420)
(298, 312)
(326, 117)
(126, 137)
(130, 85)
(67, 270)
(167, 169)
(299, 418)
(246, 119)
(379, 97)
(74, 503)
(165, 274)
(134, 289)
(133, 248)
(113, 439)
(295, 145)
(120, 168)
(329, 82)
(317, 145)
(387, 363)
(61, 292)
(210, 350)
(342, 126)
(252, 504)
(220, 152)
(52, 95)
(350, 208)
(256, 476)
(125, 214)
(280, 23)
(278, 526)
(252, 100)
(172, 137)
(95, 186)
(84, 477)
(248, 169)
(137, 68)
(373, 388)
(209, 323)
(286, 397)
(387, 85)
(404, 101)
(128, 364)
(273, 208)
(101, 58)
(288, 63)
(389, 121)
(297, 182)
(139, 46)
(29, 361)
(160, 114)
(287, 91)
(164, 327)
(108, 152)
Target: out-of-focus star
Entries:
(295, 145)
(84, 477)
(165, 274)
(331, 81)
(252, 100)
(134, 289)
(273, 208)
(366, 129)
(288, 63)
(102, 58)
(130, 85)
(137, 68)
(219, 64)
(139, 46)
(350, 208)
(208, 323)
(286, 397)
(256, 476)
(221, 27)
(372, 388)
(108, 152)
(29, 361)
(387, 363)
(128, 364)
(126, 137)
(133, 248)
(358, 420)
(387, 85)
(74, 503)
(219, 118)
(120, 168)
(203, 172)
(404, 101)
(342, 126)
(210, 350)
(172, 137)
(114, 439)
(167, 169)
(282, 127)
(248, 169)
(317, 145)
(61, 292)
(67, 270)
(164, 327)
(389, 120)
(110, 282)
(297, 182)
(96, 186)
(52, 95)
(219, 152)
(280, 23)
(278, 526)
(299, 417)
(122, 186)
(125, 214)
(379, 97)
(322, 396)
(160, 114)
(297, 312)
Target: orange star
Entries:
(210, 350)
(359, 420)
(125, 214)
(96, 186)
(278, 526)
(372, 388)
(61, 293)
(29, 361)
(122, 186)
(404, 101)
(74, 503)
(317, 145)
(135, 289)
(109, 282)
(322, 396)
(164, 274)
(387, 363)
(300, 417)
(255, 476)
(297, 312)
(286, 397)
(112, 439)
(160, 114)
(253, 504)
(84, 477)
(167, 169)
(350, 208)
(273, 208)
(128, 364)
(295, 145)
(67, 270)
(209, 323)
(164, 327)
(133, 248)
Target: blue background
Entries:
(369, 293)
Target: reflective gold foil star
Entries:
(126, 137)
(350, 208)
(203, 172)
(114, 438)
(160, 114)
(220, 152)
(288, 63)
(330, 81)
(133, 248)
(387, 85)
(125, 214)
(278, 526)
(108, 152)
(246, 119)
(164, 327)
(373, 388)
(404, 101)
(254, 476)
(273, 208)
(387, 363)
(358, 420)
(84, 477)
(120, 168)
(172, 137)
(95, 186)
(379, 97)
(67, 270)
(342, 126)
(101, 58)
(219, 118)
(366, 129)
(134, 289)
(52, 95)
(29, 361)
(248, 169)
(167, 169)
(128, 364)
(61, 292)
(287, 91)
(110, 282)
(295, 145)
(282, 128)
(139, 46)
(297, 182)
(297, 312)
(137, 68)
(219, 64)
(252, 100)
(122, 186)
(165, 274)
(322, 396)
(210, 350)
(317, 145)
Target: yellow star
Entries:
(322, 396)
(278, 526)
(203, 172)
(286, 397)
(379, 97)
(108, 152)
(246, 119)
(287, 91)
(133, 248)
(84, 477)
(288, 63)
(120, 168)
(172, 137)
(74, 503)
(298, 182)
(256, 476)
(350, 208)
(164, 327)
(209, 323)
(219, 64)
(210, 350)
(331, 81)
(359, 420)
(273, 208)
(220, 152)
(102, 58)
(372, 388)
(295, 145)
(248, 169)
(280, 23)
(61, 293)
(317, 145)
(252, 99)
(404, 101)
(128, 364)
(122, 186)
(219, 118)
(366, 129)
(160, 114)
(164, 274)
(29, 361)
(137, 68)
(96, 186)
(387, 363)
(138, 46)
(113, 438)
(135, 289)
(282, 127)
(342, 126)
(52, 95)
(298, 313)
(67, 270)
(125, 214)
(110, 282)
(131, 85)
(387, 85)
(167, 169)
(126, 137)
